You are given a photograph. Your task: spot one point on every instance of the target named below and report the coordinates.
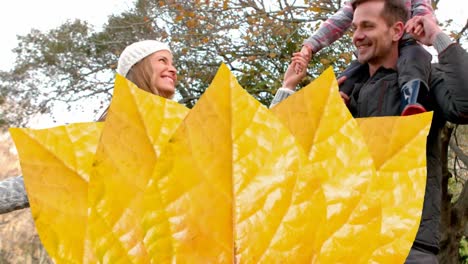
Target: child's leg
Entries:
(414, 68)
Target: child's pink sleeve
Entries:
(421, 8)
(332, 29)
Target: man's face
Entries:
(372, 36)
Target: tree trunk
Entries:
(453, 215)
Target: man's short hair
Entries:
(393, 11)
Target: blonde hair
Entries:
(141, 74)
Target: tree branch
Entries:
(459, 152)
(462, 31)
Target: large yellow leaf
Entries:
(396, 145)
(320, 121)
(227, 185)
(231, 182)
(56, 165)
(136, 126)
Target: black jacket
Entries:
(380, 95)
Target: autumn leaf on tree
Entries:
(229, 181)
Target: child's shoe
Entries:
(413, 94)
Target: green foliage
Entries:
(458, 169)
(454, 188)
(459, 175)
(463, 251)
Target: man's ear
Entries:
(398, 30)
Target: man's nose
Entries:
(357, 35)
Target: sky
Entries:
(18, 17)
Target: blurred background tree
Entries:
(75, 64)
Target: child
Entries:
(414, 62)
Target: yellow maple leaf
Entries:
(135, 128)
(233, 181)
(400, 160)
(317, 117)
(56, 165)
(395, 145)
(230, 168)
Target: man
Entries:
(378, 26)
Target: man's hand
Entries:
(291, 77)
(423, 29)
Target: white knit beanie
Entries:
(137, 51)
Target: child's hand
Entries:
(423, 28)
(414, 26)
(306, 53)
(292, 77)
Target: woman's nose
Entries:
(172, 69)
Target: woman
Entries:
(148, 64)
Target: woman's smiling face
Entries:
(164, 76)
